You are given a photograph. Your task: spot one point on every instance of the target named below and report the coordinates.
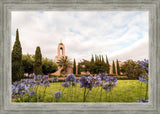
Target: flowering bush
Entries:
(30, 86)
(57, 95)
(65, 84)
(71, 78)
(144, 78)
(54, 79)
(142, 101)
(38, 89)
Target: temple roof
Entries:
(60, 43)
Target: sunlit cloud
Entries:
(119, 35)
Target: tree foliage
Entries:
(17, 69)
(38, 61)
(113, 68)
(79, 68)
(84, 65)
(65, 63)
(92, 68)
(74, 67)
(95, 65)
(107, 65)
(132, 69)
(48, 66)
(118, 69)
(27, 62)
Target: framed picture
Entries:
(79, 56)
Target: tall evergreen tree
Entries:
(100, 58)
(118, 69)
(92, 67)
(74, 67)
(92, 59)
(17, 70)
(107, 64)
(113, 68)
(38, 61)
(96, 58)
(79, 69)
(103, 60)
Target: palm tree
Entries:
(65, 63)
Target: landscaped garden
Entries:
(100, 88)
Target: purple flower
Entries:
(89, 79)
(144, 64)
(21, 86)
(30, 76)
(27, 88)
(25, 80)
(143, 79)
(31, 84)
(97, 83)
(57, 94)
(52, 79)
(103, 76)
(65, 84)
(71, 78)
(35, 77)
(142, 101)
(46, 83)
(85, 82)
(14, 89)
(115, 80)
(56, 79)
(97, 77)
(38, 82)
(107, 86)
(39, 77)
(32, 93)
(110, 83)
(45, 77)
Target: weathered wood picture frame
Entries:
(7, 6)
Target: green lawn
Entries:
(125, 91)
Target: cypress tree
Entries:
(103, 65)
(92, 59)
(102, 59)
(74, 67)
(38, 61)
(92, 65)
(107, 64)
(79, 70)
(17, 70)
(118, 69)
(96, 58)
(113, 68)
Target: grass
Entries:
(125, 91)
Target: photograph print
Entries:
(80, 56)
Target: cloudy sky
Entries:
(119, 35)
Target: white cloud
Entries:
(137, 51)
(83, 33)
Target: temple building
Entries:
(60, 52)
(59, 56)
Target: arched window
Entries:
(61, 51)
